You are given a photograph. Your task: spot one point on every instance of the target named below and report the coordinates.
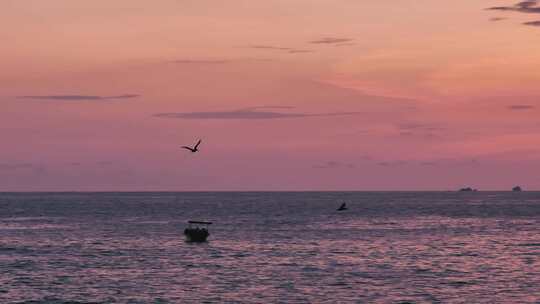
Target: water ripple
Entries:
(270, 248)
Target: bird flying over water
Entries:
(342, 207)
(195, 148)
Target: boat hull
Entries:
(196, 235)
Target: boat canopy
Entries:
(200, 222)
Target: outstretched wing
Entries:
(187, 148)
(198, 143)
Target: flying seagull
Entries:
(342, 207)
(194, 149)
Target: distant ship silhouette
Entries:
(468, 189)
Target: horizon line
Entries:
(247, 191)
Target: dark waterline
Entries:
(289, 247)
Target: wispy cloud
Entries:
(450, 162)
(300, 51)
(395, 163)
(344, 44)
(334, 165)
(532, 23)
(429, 162)
(495, 19)
(289, 50)
(249, 113)
(77, 97)
(419, 126)
(103, 163)
(331, 40)
(527, 6)
(216, 61)
(22, 166)
(519, 107)
(292, 50)
(266, 107)
(270, 47)
(425, 130)
(468, 162)
(201, 61)
(15, 166)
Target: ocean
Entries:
(271, 247)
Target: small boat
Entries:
(342, 207)
(197, 231)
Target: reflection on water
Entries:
(271, 247)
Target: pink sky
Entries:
(286, 95)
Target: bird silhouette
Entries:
(195, 148)
(342, 207)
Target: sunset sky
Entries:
(285, 94)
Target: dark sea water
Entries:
(389, 247)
